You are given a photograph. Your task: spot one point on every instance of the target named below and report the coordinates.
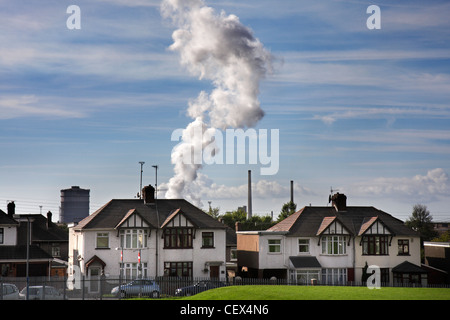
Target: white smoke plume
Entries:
(217, 47)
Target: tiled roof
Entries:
(286, 224)
(9, 253)
(308, 221)
(113, 213)
(325, 223)
(367, 222)
(40, 231)
(6, 220)
(129, 214)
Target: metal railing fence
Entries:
(113, 288)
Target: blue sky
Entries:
(363, 111)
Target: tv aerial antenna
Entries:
(331, 193)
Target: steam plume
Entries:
(217, 47)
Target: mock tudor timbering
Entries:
(146, 238)
(342, 239)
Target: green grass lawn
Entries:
(255, 292)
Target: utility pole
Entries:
(156, 181)
(140, 185)
(157, 219)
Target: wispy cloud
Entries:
(30, 105)
(391, 140)
(434, 184)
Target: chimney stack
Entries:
(292, 191)
(339, 201)
(249, 213)
(11, 209)
(148, 193)
(49, 219)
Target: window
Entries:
(274, 245)
(102, 240)
(177, 238)
(334, 245)
(304, 276)
(207, 239)
(384, 276)
(133, 238)
(233, 254)
(56, 251)
(375, 245)
(178, 269)
(303, 245)
(403, 247)
(1, 235)
(134, 270)
(334, 276)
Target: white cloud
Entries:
(434, 184)
(206, 189)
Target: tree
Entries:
(256, 222)
(230, 218)
(213, 212)
(445, 237)
(421, 221)
(287, 209)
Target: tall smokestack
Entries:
(292, 191)
(249, 213)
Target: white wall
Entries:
(352, 258)
(9, 236)
(387, 261)
(85, 243)
(289, 247)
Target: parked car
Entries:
(38, 293)
(9, 292)
(198, 287)
(137, 287)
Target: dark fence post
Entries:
(82, 287)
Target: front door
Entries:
(94, 279)
(213, 271)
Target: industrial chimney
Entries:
(292, 191)
(249, 212)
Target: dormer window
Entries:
(334, 245)
(178, 238)
(376, 245)
(133, 238)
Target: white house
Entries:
(333, 245)
(148, 238)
